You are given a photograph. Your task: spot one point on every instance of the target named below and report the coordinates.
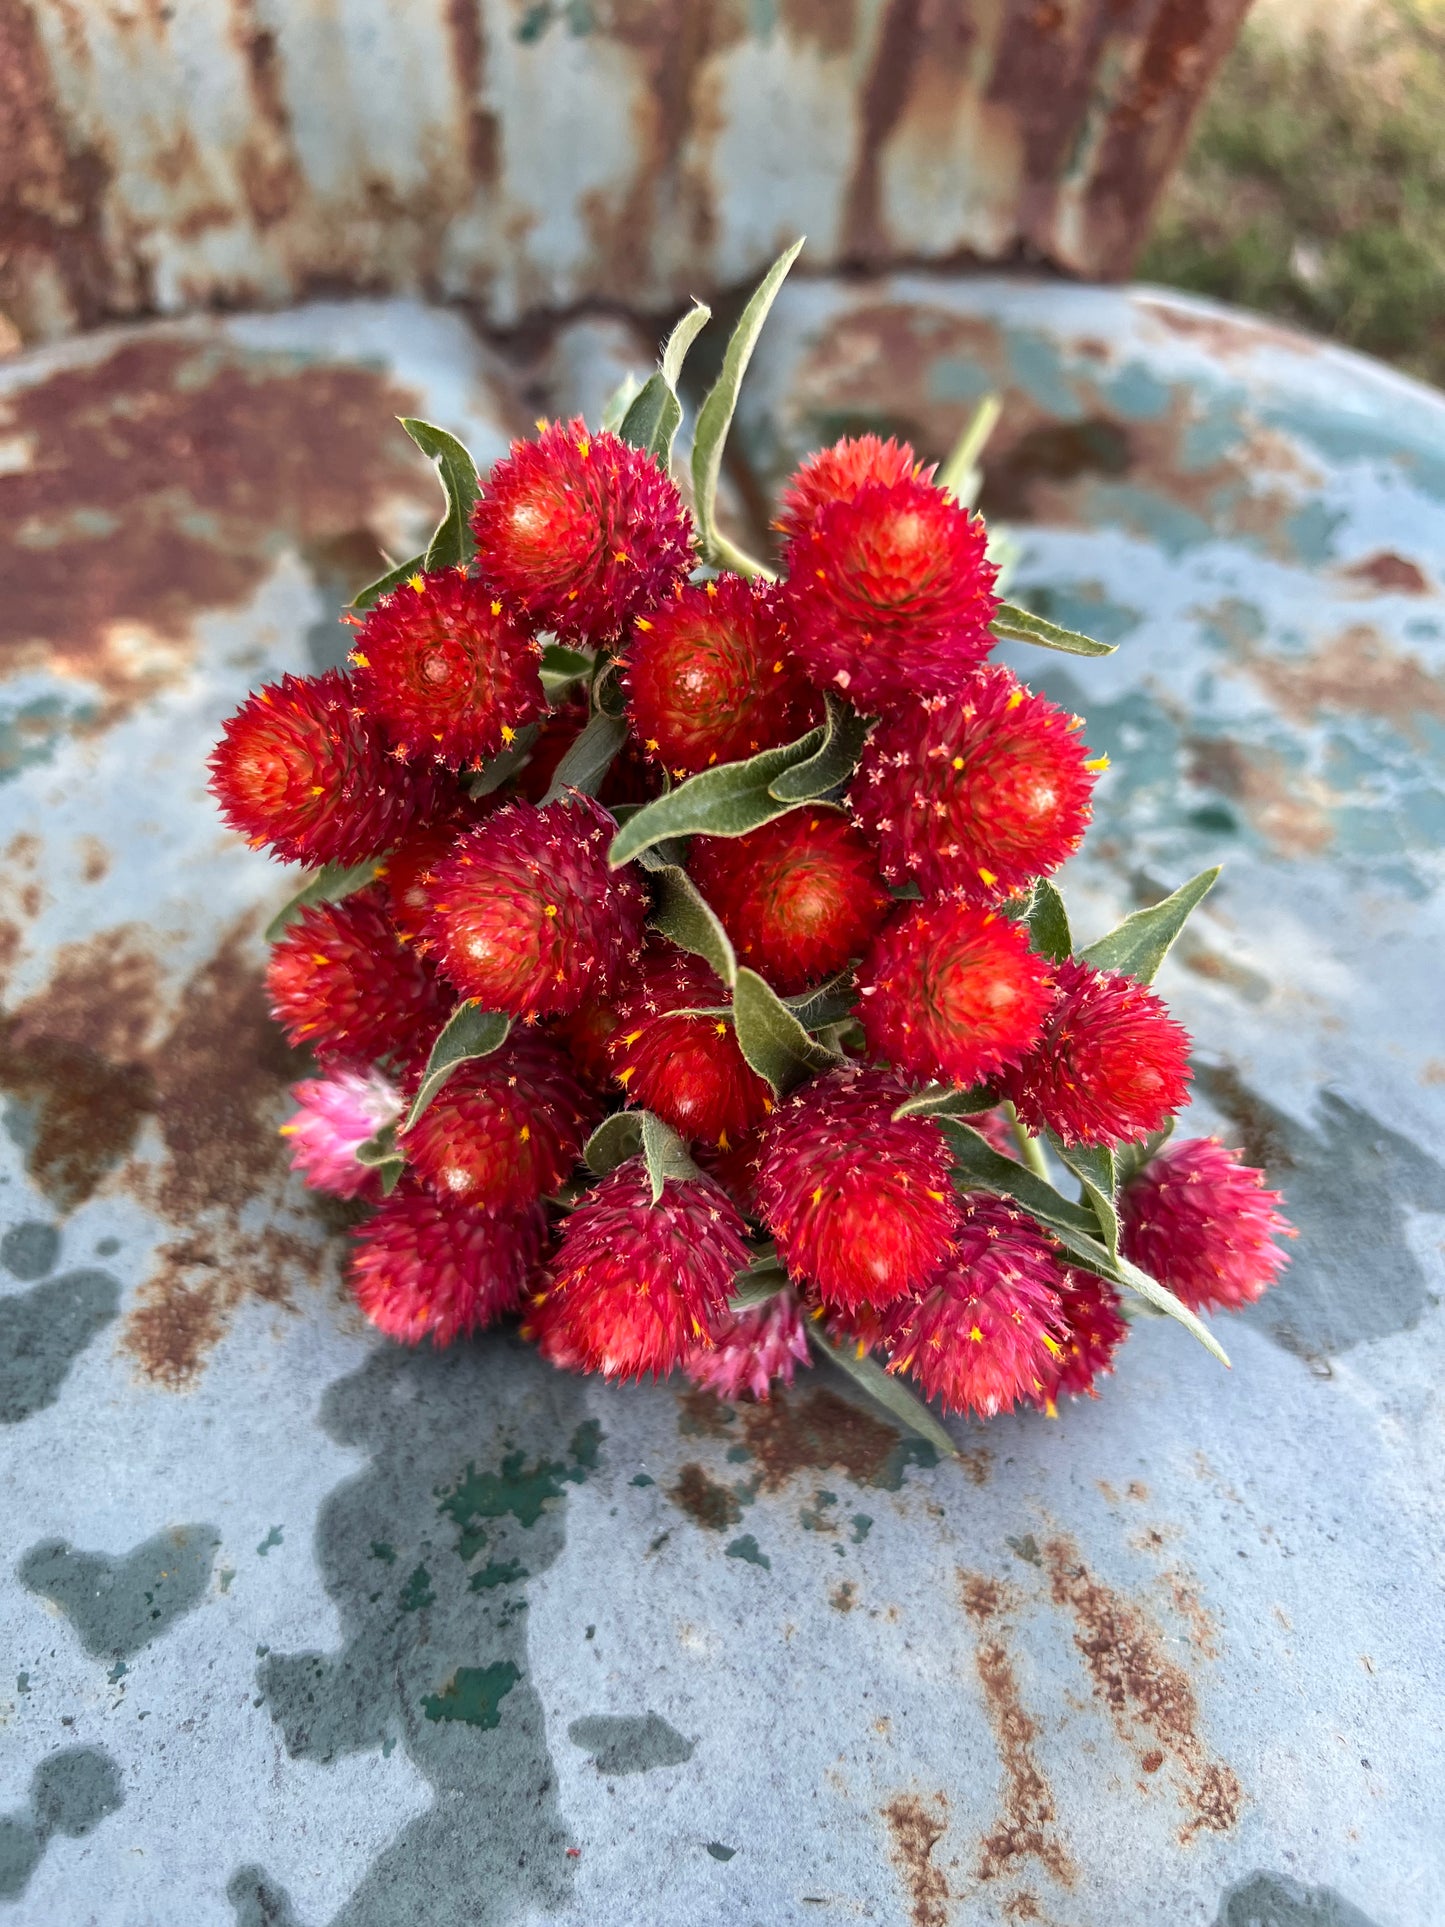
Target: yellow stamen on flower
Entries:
(360, 660)
(550, 910)
(416, 582)
(509, 735)
(1097, 762)
(988, 876)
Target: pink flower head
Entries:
(1200, 1221)
(337, 1113)
(752, 1348)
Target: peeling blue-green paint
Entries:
(746, 1547)
(622, 1743)
(498, 1572)
(474, 1695)
(272, 1540)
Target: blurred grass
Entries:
(1314, 186)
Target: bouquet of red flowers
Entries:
(678, 951)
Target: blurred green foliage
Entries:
(1314, 187)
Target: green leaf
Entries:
(452, 543)
(469, 1032)
(562, 668)
(681, 912)
(844, 734)
(502, 767)
(960, 476)
(1130, 1159)
(1137, 946)
(1093, 1166)
(727, 801)
(944, 1100)
(589, 758)
(1160, 1296)
(616, 1139)
(1012, 624)
(716, 414)
(330, 884)
(829, 1003)
(1049, 923)
(665, 1154)
(771, 1038)
(763, 1279)
(655, 413)
(884, 1389)
(379, 1153)
(614, 409)
(384, 584)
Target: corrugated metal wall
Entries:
(527, 155)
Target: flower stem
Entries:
(1030, 1150)
(728, 556)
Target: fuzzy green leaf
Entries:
(1011, 624)
(763, 1279)
(616, 1139)
(502, 767)
(716, 414)
(665, 1155)
(562, 668)
(681, 912)
(884, 1389)
(1049, 923)
(1130, 1159)
(1093, 1166)
(380, 1154)
(1162, 1299)
(674, 352)
(960, 475)
(469, 1032)
(828, 1003)
(589, 758)
(771, 1038)
(1137, 946)
(384, 584)
(944, 1100)
(844, 734)
(614, 409)
(655, 413)
(330, 884)
(452, 544)
(727, 801)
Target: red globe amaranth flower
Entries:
(528, 917)
(504, 1129)
(447, 670)
(985, 1328)
(859, 1201)
(336, 1114)
(837, 474)
(736, 1169)
(342, 982)
(799, 897)
(892, 594)
(433, 1267)
(409, 870)
(300, 767)
(952, 991)
(688, 1070)
(751, 1349)
(1200, 1221)
(975, 793)
(585, 1035)
(580, 532)
(1093, 1330)
(637, 1285)
(710, 676)
(1110, 1066)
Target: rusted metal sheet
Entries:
(530, 155)
(302, 1628)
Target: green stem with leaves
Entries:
(1030, 1150)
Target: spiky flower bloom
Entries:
(975, 793)
(892, 594)
(580, 532)
(408, 871)
(837, 474)
(585, 1035)
(952, 991)
(1201, 1221)
(799, 897)
(688, 1070)
(447, 670)
(1093, 1330)
(752, 1348)
(433, 1267)
(299, 767)
(859, 1201)
(637, 1285)
(336, 1114)
(985, 1328)
(1110, 1066)
(528, 917)
(711, 676)
(342, 982)
(504, 1129)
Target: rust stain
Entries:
(268, 166)
(831, 25)
(1356, 673)
(844, 1596)
(915, 1833)
(1026, 1827)
(482, 135)
(706, 1503)
(169, 476)
(196, 1284)
(1287, 809)
(94, 859)
(815, 1431)
(1149, 1698)
(1392, 574)
(881, 107)
(1226, 335)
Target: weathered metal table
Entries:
(299, 1628)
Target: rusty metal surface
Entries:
(528, 155)
(301, 1629)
